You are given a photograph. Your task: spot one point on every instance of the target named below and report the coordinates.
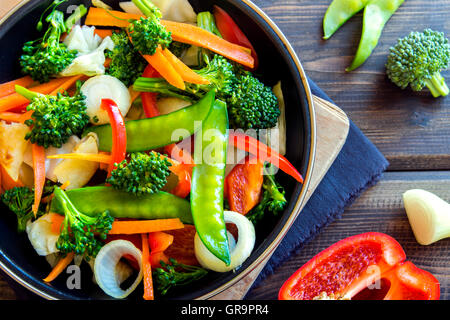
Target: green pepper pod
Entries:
(338, 13)
(208, 178)
(95, 200)
(376, 14)
(157, 132)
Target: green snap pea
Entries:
(208, 178)
(338, 13)
(95, 200)
(153, 133)
(376, 14)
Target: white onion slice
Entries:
(105, 87)
(105, 267)
(240, 253)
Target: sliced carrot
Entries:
(39, 174)
(68, 83)
(109, 18)
(159, 241)
(15, 117)
(8, 88)
(193, 35)
(103, 33)
(60, 267)
(184, 71)
(147, 269)
(133, 94)
(93, 157)
(165, 69)
(145, 226)
(16, 100)
(56, 221)
(157, 257)
(8, 182)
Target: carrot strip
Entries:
(103, 33)
(60, 267)
(193, 35)
(56, 221)
(8, 88)
(165, 69)
(70, 81)
(133, 94)
(185, 72)
(16, 100)
(8, 182)
(101, 17)
(181, 32)
(15, 117)
(147, 269)
(39, 174)
(94, 157)
(145, 226)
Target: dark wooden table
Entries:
(411, 129)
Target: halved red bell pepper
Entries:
(119, 133)
(231, 32)
(352, 268)
(263, 153)
(243, 185)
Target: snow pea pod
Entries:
(208, 176)
(338, 13)
(156, 132)
(120, 204)
(376, 14)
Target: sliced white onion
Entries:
(105, 87)
(129, 7)
(238, 254)
(106, 271)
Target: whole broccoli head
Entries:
(81, 233)
(142, 174)
(55, 118)
(126, 62)
(418, 59)
(252, 105)
(272, 201)
(46, 57)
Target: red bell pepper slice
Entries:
(243, 185)
(119, 133)
(149, 98)
(231, 32)
(263, 153)
(353, 266)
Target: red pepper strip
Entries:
(147, 269)
(243, 185)
(119, 133)
(263, 153)
(159, 242)
(39, 175)
(231, 32)
(149, 98)
(351, 266)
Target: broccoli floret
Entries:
(142, 174)
(272, 201)
(47, 56)
(176, 274)
(20, 201)
(126, 62)
(148, 33)
(418, 59)
(81, 233)
(252, 105)
(55, 118)
(178, 48)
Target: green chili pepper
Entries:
(208, 182)
(95, 200)
(376, 14)
(153, 133)
(338, 13)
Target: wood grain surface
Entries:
(411, 129)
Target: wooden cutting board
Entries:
(332, 128)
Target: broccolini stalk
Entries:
(55, 118)
(81, 233)
(418, 59)
(47, 56)
(176, 274)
